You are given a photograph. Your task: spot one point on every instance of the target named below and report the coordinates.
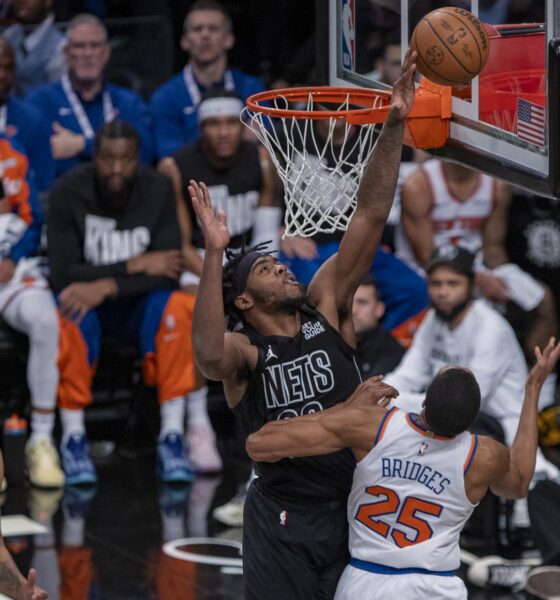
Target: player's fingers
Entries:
(205, 194)
(384, 402)
(32, 577)
(197, 194)
(538, 353)
(222, 218)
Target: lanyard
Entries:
(3, 118)
(78, 109)
(193, 89)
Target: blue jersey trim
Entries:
(385, 570)
(473, 452)
(380, 431)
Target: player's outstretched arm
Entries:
(352, 424)
(514, 483)
(215, 354)
(342, 274)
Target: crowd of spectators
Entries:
(111, 170)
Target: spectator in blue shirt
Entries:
(207, 38)
(78, 104)
(23, 122)
(38, 44)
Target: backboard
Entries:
(506, 121)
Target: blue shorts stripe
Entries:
(385, 570)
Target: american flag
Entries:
(530, 122)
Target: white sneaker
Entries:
(497, 571)
(231, 513)
(43, 464)
(203, 454)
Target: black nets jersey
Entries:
(235, 190)
(295, 376)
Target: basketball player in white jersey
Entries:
(417, 480)
(461, 330)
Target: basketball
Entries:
(452, 45)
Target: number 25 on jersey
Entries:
(407, 511)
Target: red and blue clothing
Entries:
(19, 189)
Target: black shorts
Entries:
(292, 551)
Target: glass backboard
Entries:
(504, 122)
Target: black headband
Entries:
(244, 268)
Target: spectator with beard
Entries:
(469, 333)
(114, 248)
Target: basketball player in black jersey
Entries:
(295, 355)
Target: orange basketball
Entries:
(452, 45)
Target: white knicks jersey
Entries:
(408, 502)
(455, 221)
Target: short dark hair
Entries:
(370, 281)
(452, 401)
(230, 289)
(209, 5)
(113, 130)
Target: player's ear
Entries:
(379, 309)
(244, 302)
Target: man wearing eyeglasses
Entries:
(82, 100)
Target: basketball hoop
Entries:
(320, 139)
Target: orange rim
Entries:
(352, 95)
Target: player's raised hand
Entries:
(31, 591)
(546, 361)
(402, 99)
(214, 227)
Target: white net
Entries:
(320, 162)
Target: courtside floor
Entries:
(130, 538)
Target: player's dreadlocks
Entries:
(234, 278)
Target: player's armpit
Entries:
(238, 355)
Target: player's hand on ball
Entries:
(372, 392)
(402, 98)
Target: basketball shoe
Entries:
(495, 571)
(231, 513)
(43, 464)
(172, 462)
(203, 454)
(76, 461)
